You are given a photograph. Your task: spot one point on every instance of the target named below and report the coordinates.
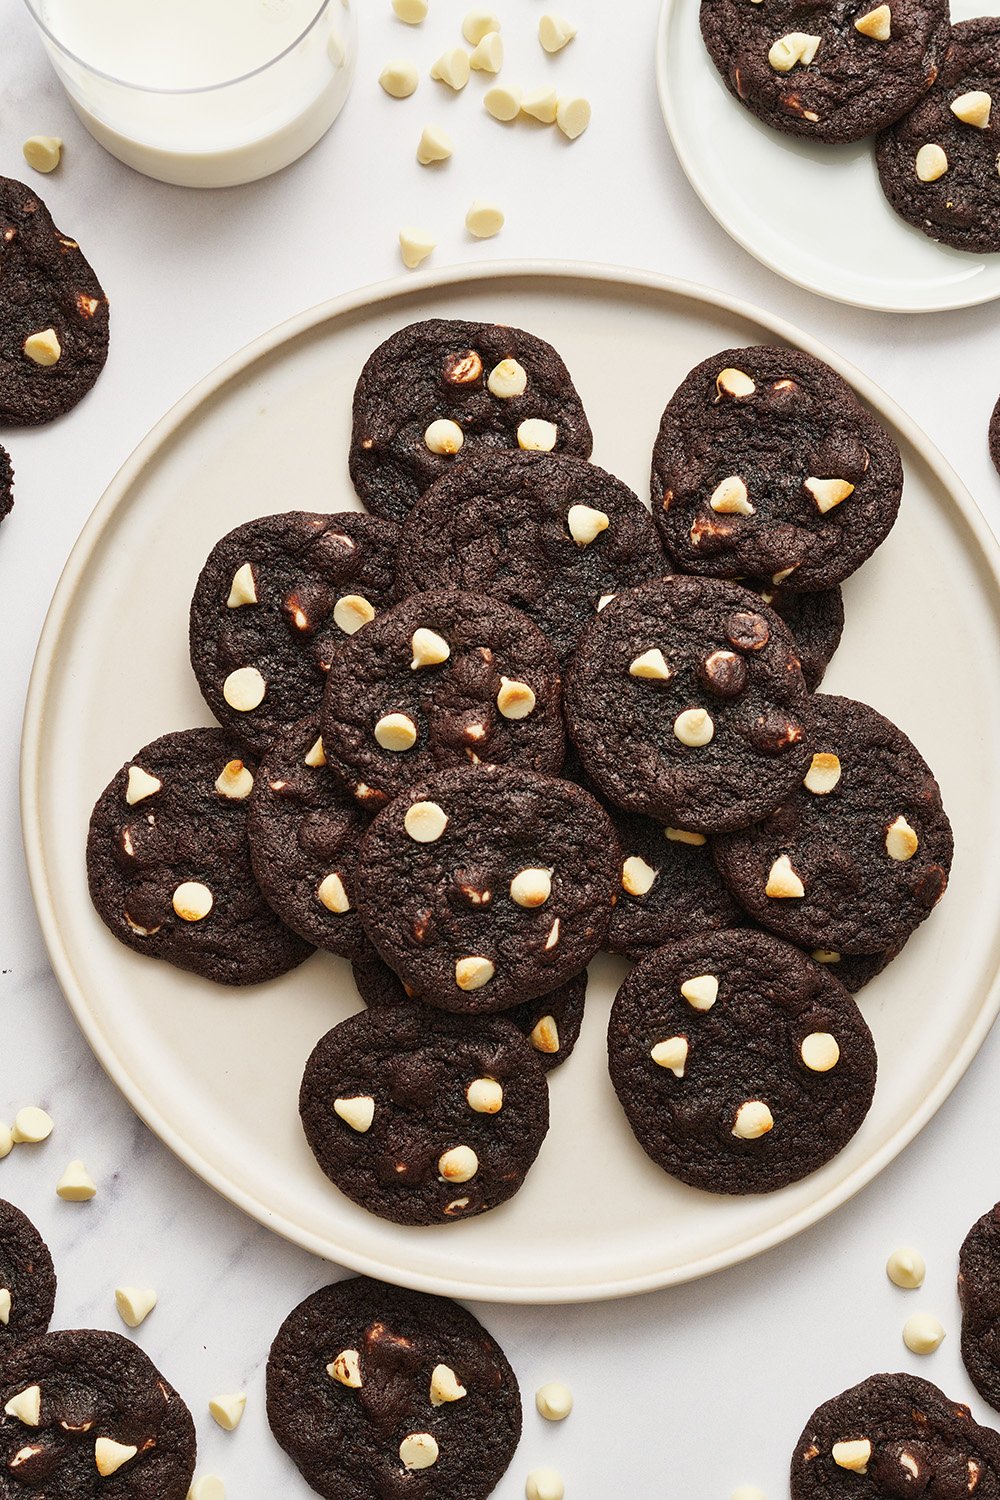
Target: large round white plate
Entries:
(216, 1073)
(813, 213)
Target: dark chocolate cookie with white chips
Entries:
(670, 888)
(767, 466)
(994, 436)
(859, 855)
(274, 601)
(487, 887)
(741, 1066)
(979, 1294)
(377, 1393)
(168, 862)
(938, 165)
(686, 702)
(551, 535)
(53, 313)
(816, 621)
(6, 484)
(304, 833)
(87, 1413)
(444, 678)
(421, 1117)
(551, 1023)
(27, 1279)
(894, 1436)
(446, 389)
(831, 71)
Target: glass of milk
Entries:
(204, 93)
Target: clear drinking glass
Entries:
(203, 93)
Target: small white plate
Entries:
(815, 214)
(216, 1072)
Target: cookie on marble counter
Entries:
(979, 1294)
(27, 1279)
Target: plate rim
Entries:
(818, 288)
(116, 494)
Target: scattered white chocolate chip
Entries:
(473, 972)
(536, 435)
(905, 1268)
(459, 1164)
(484, 219)
(453, 68)
(42, 152)
(396, 732)
(351, 611)
(544, 1484)
(110, 1456)
(828, 492)
(26, 1406)
(444, 436)
(694, 727)
(315, 756)
(411, 11)
(415, 245)
(901, 841)
(399, 78)
(5, 1305)
(531, 887)
(604, 601)
(507, 379)
(332, 893)
(586, 524)
(43, 348)
(76, 1184)
(701, 991)
(544, 1036)
(876, 23)
(134, 1304)
(796, 47)
(731, 382)
(503, 103)
(192, 901)
(140, 785)
(487, 55)
(485, 1096)
(542, 105)
(418, 1450)
(554, 1401)
(346, 1369)
(228, 1410)
(637, 876)
(753, 1119)
(429, 649)
(671, 1053)
(515, 700)
(922, 1334)
(244, 690)
(782, 880)
(554, 32)
(434, 145)
(973, 108)
(234, 781)
(6, 1139)
(825, 956)
(358, 1112)
(207, 1487)
(553, 936)
(729, 498)
(425, 822)
(820, 1051)
(823, 774)
(477, 24)
(573, 115)
(681, 836)
(930, 162)
(853, 1455)
(243, 589)
(445, 1386)
(651, 665)
(32, 1125)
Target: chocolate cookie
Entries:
(740, 1065)
(551, 1023)
(860, 854)
(446, 389)
(89, 1414)
(938, 165)
(168, 862)
(994, 437)
(27, 1279)
(274, 601)
(686, 702)
(979, 1293)
(854, 970)
(421, 1117)
(895, 1436)
(767, 465)
(304, 834)
(381, 1394)
(549, 534)
(6, 484)
(53, 313)
(815, 620)
(670, 888)
(827, 70)
(489, 886)
(443, 679)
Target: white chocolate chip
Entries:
(6, 1140)
(5, 1305)
(531, 887)
(473, 972)
(651, 665)
(332, 894)
(973, 108)
(820, 1051)
(425, 822)
(905, 1268)
(415, 245)
(42, 152)
(228, 1410)
(541, 104)
(544, 1036)
(604, 601)
(586, 524)
(554, 1401)
(444, 436)
(681, 836)
(429, 649)
(825, 956)
(434, 145)
(140, 785)
(346, 1369)
(134, 1304)
(828, 492)
(358, 1112)
(535, 435)
(207, 1487)
(753, 1119)
(485, 1096)
(43, 348)
(110, 1456)
(459, 1164)
(26, 1406)
(694, 727)
(32, 1125)
(573, 115)
(554, 32)
(544, 1484)
(729, 498)
(315, 756)
(901, 842)
(351, 611)
(76, 1184)
(922, 1334)
(553, 936)
(477, 24)
(796, 47)
(637, 876)
(876, 23)
(244, 690)
(418, 1450)
(484, 219)
(515, 700)
(822, 775)
(396, 732)
(736, 383)
(853, 1455)
(507, 380)
(453, 68)
(783, 573)
(243, 589)
(235, 782)
(701, 992)
(671, 1053)
(399, 78)
(503, 103)
(782, 880)
(930, 162)
(487, 55)
(445, 1386)
(411, 11)
(192, 901)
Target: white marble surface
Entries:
(685, 1393)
